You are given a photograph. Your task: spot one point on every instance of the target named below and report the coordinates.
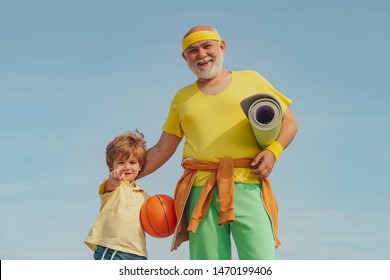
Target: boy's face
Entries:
(130, 166)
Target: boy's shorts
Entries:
(104, 253)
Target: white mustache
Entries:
(203, 60)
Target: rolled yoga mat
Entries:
(265, 115)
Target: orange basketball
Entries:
(158, 216)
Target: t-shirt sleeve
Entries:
(172, 124)
(104, 196)
(266, 87)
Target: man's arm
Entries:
(264, 162)
(157, 155)
(288, 130)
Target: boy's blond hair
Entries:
(124, 145)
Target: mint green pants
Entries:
(251, 230)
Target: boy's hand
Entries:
(117, 174)
(114, 179)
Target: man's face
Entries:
(205, 59)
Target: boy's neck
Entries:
(132, 183)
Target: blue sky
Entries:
(74, 74)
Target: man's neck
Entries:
(215, 85)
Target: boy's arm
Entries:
(114, 180)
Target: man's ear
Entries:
(222, 46)
(184, 56)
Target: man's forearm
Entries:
(159, 153)
(288, 130)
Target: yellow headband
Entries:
(199, 36)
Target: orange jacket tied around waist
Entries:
(222, 175)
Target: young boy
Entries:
(117, 233)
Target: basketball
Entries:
(157, 216)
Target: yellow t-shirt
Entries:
(118, 226)
(215, 127)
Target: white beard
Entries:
(210, 73)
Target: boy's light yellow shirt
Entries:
(118, 226)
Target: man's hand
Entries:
(263, 164)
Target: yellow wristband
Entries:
(275, 148)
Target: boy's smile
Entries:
(130, 167)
